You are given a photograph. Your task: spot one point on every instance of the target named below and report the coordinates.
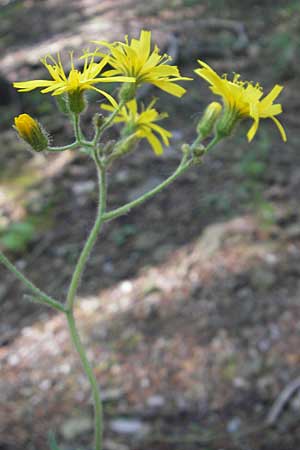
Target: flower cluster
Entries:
(135, 62)
(141, 124)
(242, 99)
(135, 59)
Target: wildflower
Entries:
(77, 81)
(31, 132)
(242, 99)
(135, 59)
(142, 125)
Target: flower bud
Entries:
(227, 123)
(76, 101)
(199, 151)
(31, 132)
(127, 92)
(207, 122)
(98, 120)
(186, 149)
(123, 147)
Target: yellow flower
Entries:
(76, 81)
(243, 99)
(135, 59)
(142, 125)
(31, 132)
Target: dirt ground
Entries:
(189, 304)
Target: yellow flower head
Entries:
(244, 99)
(31, 132)
(142, 124)
(75, 81)
(135, 59)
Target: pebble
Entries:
(129, 426)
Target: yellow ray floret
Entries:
(142, 124)
(76, 80)
(244, 98)
(135, 59)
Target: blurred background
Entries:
(190, 304)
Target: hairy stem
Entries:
(91, 239)
(63, 148)
(98, 414)
(98, 411)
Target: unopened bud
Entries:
(186, 149)
(125, 146)
(31, 132)
(207, 122)
(199, 151)
(98, 120)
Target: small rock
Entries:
(129, 426)
(293, 231)
(76, 426)
(155, 401)
(83, 187)
(234, 425)
(109, 395)
(112, 445)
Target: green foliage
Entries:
(222, 202)
(190, 2)
(52, 442)
(287, 45)
(17, 237)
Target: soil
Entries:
(189, 305)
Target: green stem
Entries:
(91, 239)
(197, 141)
(98, 414)
(216, 139)
(98, 411)
(76, 123)
(63, 148)
(183, 166)
(106, 123)
(41, 297)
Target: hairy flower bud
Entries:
(123, 147)
(227, 123)
(98, 120)
(127, 92)
(76, 101)
(208, 120)
(31, 132)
